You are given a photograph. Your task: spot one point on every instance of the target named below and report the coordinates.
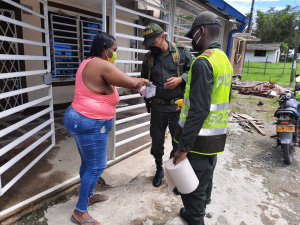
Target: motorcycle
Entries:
(287, 125)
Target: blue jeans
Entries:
(91, 136)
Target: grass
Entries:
(273, 72)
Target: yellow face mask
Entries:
(113, 58)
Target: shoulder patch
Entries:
(148, 53)
(179, 45)
(207, 52)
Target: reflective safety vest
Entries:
(212, 136)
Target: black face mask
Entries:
(155, 50)
(196, 47)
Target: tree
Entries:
(277, 26)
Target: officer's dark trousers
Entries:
(195, 202)
(158, 124)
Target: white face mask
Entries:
(200, 36)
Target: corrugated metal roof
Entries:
(273, 46)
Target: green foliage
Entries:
(284, 48)
(276, 26)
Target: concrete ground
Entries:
(239, 197)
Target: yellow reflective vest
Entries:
(212, 136)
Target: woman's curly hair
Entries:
(101, 42)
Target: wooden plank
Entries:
(246, 117)
(237, 121)
(260, 130)
(235, 116)
(244, 124)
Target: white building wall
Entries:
(271, 55)
(64, 94)
(277, 56)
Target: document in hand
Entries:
(181, 176)
(148, 92)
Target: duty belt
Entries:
(165, 101)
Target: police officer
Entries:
(202, 127)
(166, 65)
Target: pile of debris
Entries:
(246, 121)
(263, 89)
(237, 84)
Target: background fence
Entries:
(265, 71)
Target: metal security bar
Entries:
(138, 54)
(8, 34)
(10, 112)
(89, 29)
(71, 38)
(183, 22)
(64, 46)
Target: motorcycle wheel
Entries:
(288, 153)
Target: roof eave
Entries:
(227, 10)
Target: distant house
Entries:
(263, 52)
(291, 53)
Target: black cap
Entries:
(204, 18)
(151, 31)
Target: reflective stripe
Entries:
(205, 131)
(200, 153)
(212, 132)
(181, 123)
(186, 102)
(219, 107)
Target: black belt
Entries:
(165, 101)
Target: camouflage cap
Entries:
(204, 18)
(151, 31)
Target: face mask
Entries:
(113, 58)
(196, 47)
(195, 44)
(155, 50)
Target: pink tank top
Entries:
(90, 104)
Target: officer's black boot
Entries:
(159, 175)
(186, 218)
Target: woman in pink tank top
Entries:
(89, 118)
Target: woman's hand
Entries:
(146, 82)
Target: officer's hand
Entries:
(178, 108)
(173, 82)
(178, 156)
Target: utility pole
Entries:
(250, 18)
(295, 55)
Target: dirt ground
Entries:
(252, 185)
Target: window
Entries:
(260, 53)
(71, 38)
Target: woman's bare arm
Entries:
(114, 76)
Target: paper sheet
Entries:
(181, 176)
